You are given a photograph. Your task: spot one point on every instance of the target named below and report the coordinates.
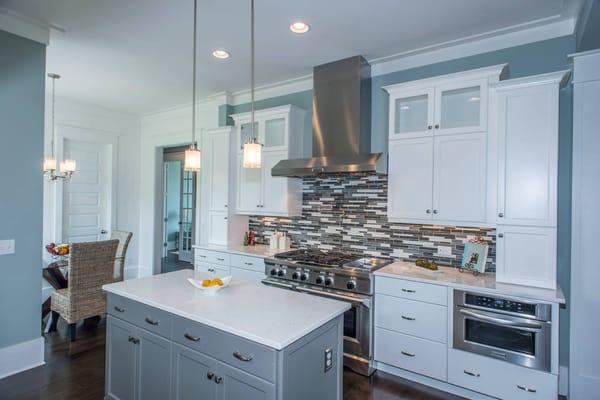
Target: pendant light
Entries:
(193, 157)
(67, 167)
(252, 157)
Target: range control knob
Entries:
(351, 284)
(328, 281)
(304, 276)
(320, 279)
(295, 275)
(280, 272)
(273, 271)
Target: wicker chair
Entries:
(91, 265)
(124, 238)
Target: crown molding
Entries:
(26, 27)
(281, 88)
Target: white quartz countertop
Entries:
(263, 314)
(466, 280)
(259, 250)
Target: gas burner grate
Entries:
(317, 258)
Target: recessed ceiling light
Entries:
(299, 27)
(221, 54)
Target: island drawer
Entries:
(412, 290)
(241, 353)
(213, 257)
(142, 315)
(425, 320)
(250, 263)
(407, 352)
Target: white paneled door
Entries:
(86, 214)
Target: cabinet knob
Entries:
(218, 379)
(428, 211)
(501, 235)
(429, 126)
(501, 215)
(210, 375)
(437, 126)
(435, 211)
(225, 218)
(225, 206)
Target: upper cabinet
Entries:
(438, 146)
(280, 130)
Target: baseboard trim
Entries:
(434, 383)
(563, 380)
(21, 357)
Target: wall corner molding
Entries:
(21, 357)
(25, 27)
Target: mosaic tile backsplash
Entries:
(348, 212)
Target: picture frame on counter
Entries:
(474, 257)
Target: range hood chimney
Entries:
(341, 122)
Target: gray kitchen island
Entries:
(167, 340)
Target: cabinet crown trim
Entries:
(288, 108)
(494, 73)
(560, 78)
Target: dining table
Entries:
(55, 272)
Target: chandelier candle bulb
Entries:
(49, 164)
(68, 166)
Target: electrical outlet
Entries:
(328, 359)
(7, 247)
(444, 250)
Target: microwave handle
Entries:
(365, 301)
(502, 321)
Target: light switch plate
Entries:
(7, 247)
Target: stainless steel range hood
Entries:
(341, 122)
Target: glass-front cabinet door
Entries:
(275, 133)
(461, 107)
(412, 114)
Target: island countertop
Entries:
(263, 314)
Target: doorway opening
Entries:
(178, 211)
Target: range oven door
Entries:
(518, 340)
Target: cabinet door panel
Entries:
(217, 228)
(411, 114)
(154, 366)
(275, 133)
(238, 385)
(191, 371)
(218, 149)
(120, 360)
(460, 178)
(275, 188)
(248, 188)
(410, 178)
(461, 107)
(528, 156)
(526, 256)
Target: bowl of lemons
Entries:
(210, 286)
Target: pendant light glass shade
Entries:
(252, 157)
(193, 159)
(68, 166)
(49, 164)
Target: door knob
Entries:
(103, 232)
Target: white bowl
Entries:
(210, 290)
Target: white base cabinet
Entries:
(222, 263)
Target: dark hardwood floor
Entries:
(75, 371)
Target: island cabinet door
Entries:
(234, 384)
(154, 366)
(193, 375)
(121, 354)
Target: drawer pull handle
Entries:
(241, 357)
(471, 373)
(407, 318)
(220, 259)
(526, 389)
(151, 321)
(210, 375)
(134, 340)
(408, 290)
(218, 379)
(407, 354)
(119, 309)
(190, 337)
(201, 256)
(247, 263)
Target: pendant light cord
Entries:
(53, 107)
(194, 80)
(252, 65)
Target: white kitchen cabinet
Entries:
(410, 179)
(223, 263)
(461, 106)
(411, 113)
(459, 178)
(526, 256)
(280, 131)
(218, 225)
(528, 150)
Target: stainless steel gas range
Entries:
(341, 276)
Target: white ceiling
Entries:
(135, 55)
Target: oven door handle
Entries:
(278, 284)
(364, 301)
(521, 325)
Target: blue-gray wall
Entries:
(590, 36)
(530, 59)
(22, 82)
